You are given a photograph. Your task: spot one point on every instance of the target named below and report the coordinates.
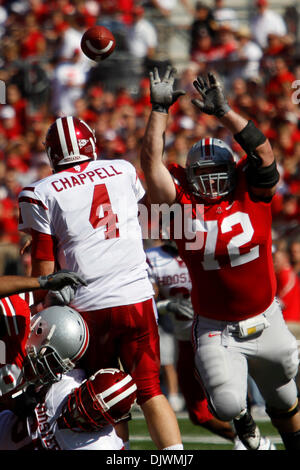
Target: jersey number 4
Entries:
(102, 214)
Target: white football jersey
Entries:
(172, 278)
(92, 211)
(43, 432)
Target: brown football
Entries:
(98, 43)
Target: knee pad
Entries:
(227, 404)
(225, 383)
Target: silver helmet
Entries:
(210, 168)
(58, 338)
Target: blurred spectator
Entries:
(141, 36)
(33, 43)
(166, 7)
(266, 21)
(225, 16)
(209, 53)
(294, 250)
(248, 56)
(71, 39)
(203, 21)
(288, 288)
(280, 82)
(10, 126)
(69, 78)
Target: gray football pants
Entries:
(223, 361)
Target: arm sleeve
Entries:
(33, 212)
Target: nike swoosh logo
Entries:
(210, 335)
(229, 207)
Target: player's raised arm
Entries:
(262, 174)
(160, 186)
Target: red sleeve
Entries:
(43, 246)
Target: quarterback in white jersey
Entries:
(81, 207)
(85, 215)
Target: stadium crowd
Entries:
(46, 76)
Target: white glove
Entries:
(181, 306)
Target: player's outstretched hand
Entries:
(162, 93)
(60, 279)
(212, 100)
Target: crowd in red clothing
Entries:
(31, 40)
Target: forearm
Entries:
(233, 121)
(16, 284)
(160, 186)
(41, 268)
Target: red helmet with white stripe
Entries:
(210, 168)
(105, 398)
(70, 140)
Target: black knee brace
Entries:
(283, 414)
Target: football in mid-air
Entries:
(98, 43)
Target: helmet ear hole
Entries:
(57, 340)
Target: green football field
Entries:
(193, 437)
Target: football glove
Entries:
(213, 100)
(63, 296)
(57, 281)
(182, 307)
(162, 94)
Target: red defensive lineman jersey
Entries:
(91, 210)
(14, 331)
(227, 247)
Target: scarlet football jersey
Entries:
(91, 210)
(14, 331)
(226, 246)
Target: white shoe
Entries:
(238, 445)
(266, 444)
(176, 402)
(247, 431)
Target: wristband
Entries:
(250, 138)
(160, 108)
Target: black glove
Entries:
(213, 100)
(57, 281)
(24, 404)
(161, 91)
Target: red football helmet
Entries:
(70, 140)
(105, 398)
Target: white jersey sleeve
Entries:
(34, 212)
